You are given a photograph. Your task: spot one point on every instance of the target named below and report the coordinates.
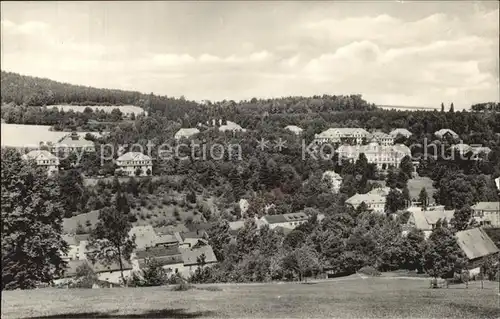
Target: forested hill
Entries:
(33, 91)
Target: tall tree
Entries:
(394, 201)
(31, 224)
(452, 108)
(442, 256)
(406, 166)
(110, 241)
(442, 107)
(462, 218)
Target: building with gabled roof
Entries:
(186, 133)
(445, 132)
(232, 127)
(425, 220)
(487, 213)
(73, 143)
(476, 245)
(294, 129)
(145, 236)
(291, 220)
(43, 159)
(383, 138)
(384, 156)
(374, 202)
(342, 135)
(77, 247)
(400, 131)
(135, 164)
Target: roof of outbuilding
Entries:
(475, 243)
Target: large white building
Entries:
(374, 202)
(289, 221)
(342, 135)
(232, 127)
(43, 159)
(445, 132)
(384, 156)
(132, 163)
(73, 143)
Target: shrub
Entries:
(369, 271)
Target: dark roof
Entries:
(274, 219)
(114, 266)
(190, 256)
(199, 226)
(156, 252)
(72, 266)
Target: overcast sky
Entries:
(415, 54)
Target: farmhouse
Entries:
(77, 247)
(333, 179)
(73, 143)
(290, 220)
(342, 135)
(400, 131)
(444, 133)
(426, 220)
(135, 164)
(487, 213)
(384, 156)
(476, 245)
(111, 272)
(43, 159)
(186, 133)
(145, 236)
(294, 129)
(374, 202)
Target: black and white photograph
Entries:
(250, 159)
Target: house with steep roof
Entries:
(400, 131)
(77, 247)
(383, 138)
(294, 129)
(426, 220)
(110, 272)
(342, 135)
(333, 179)
(291, 220)
(73, 143)
(186, 133)
(135, 164)
(487, 213)
(445, 132)
(193, 258)
(476, 245)
(43, 159)
(374, 202)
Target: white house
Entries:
(383, 139)
(290, 220)
(294, 129)
(333, 179)
(132, 162)
(384, 156)
(186, 133)
(342, 135)
(73, 143)
(442, 133)
(232, 127)
(145, 236)
(487, 213)
(400, 131)
(77, 247)
(374, 202)
(43, 159)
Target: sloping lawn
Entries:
(354, 298)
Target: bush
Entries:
(369, 271)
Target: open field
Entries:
(352, 297)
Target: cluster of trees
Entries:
(486, 107)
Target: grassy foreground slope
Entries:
(341, 298)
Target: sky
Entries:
(391, 52)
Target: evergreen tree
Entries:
(406, 166)
(442, 107)
(31, 224)
(423, 197)
(462, 218)
(452, 108)
(394, 201)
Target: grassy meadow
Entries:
(352, 297)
